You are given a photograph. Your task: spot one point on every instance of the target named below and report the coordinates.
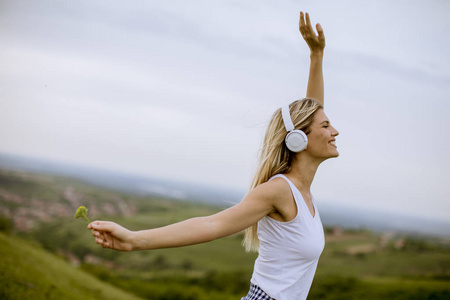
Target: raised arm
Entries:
(260, 202)
(316, 44)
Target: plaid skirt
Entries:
(256, 293)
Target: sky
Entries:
(184, 90)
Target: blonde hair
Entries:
(274, 157)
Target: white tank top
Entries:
(289, 251)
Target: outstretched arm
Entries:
(260, 202)
(316, 44)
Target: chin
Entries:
(334, 155)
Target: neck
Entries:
(303, 170)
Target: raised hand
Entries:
(316, 43)
(111, 235)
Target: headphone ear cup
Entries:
(296, 141)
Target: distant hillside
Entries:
(28, 199)
(130, 183)
(332, 214)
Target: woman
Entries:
(279, 212)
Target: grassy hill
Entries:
(40, 208)
(29, 272)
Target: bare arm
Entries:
(316, 44)
(257, 204)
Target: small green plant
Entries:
(82, 213)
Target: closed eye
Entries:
(325, 124)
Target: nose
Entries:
(335, 132)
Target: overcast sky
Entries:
(184, 90)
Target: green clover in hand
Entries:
(82, 213)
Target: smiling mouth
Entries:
(333, 143)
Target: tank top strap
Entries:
(295, 192)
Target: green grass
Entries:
(409, 273)
(351, 288)
(29, 272)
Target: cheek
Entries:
(318, 142)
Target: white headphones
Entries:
(295, 140)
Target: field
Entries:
(47, 254)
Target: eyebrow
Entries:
(325, 122)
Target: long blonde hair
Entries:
(274, 157)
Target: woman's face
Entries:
(322, 137)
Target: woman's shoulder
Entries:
(275, 189)
(278, 192)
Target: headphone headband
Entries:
(287, 118)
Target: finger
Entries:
(319, 28)
(105, 241)
(102, 242)
(320, 32)
(105, 244)
(302, 21)
(308, 25)
(104, 237)
(109, 241)
(308, 21)
(302, 31)
(97, 234)
(97, 223)
(102, 226)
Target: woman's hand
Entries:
(316, 43)
(111, 235)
